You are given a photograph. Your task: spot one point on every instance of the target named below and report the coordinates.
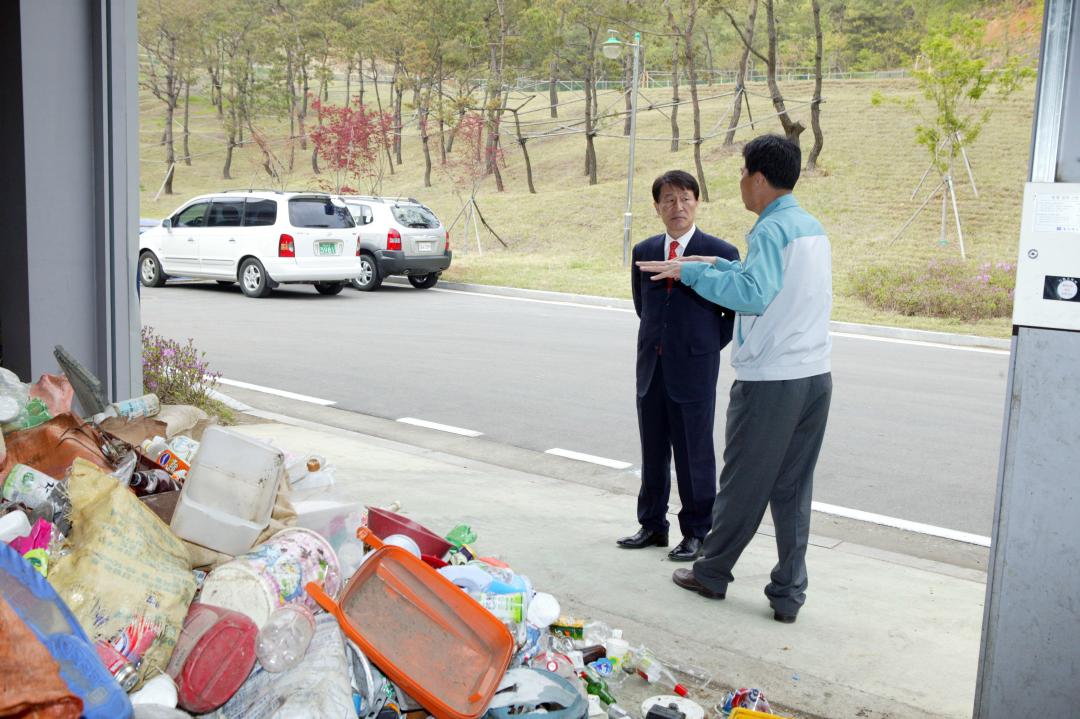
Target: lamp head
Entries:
(612, 47)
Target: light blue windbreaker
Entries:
(782, 295)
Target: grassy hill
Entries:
(568, 236)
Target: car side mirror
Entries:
(167, 223)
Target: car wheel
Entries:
(369, 278)
(253, 279)
(150, 272)
(424, 282)
(329, 288)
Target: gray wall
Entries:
(68, 267)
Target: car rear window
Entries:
(317, 212)
(415, 216)
(260, 213)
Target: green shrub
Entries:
(179, 374)
(953, 289)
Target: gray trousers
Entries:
(772, 441)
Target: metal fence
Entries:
(719, 77)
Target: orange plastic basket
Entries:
(429, 637)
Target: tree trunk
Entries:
(675, 95)
(395, 105)
(378, 100)
(525, 152)
(792, 129)
(442, 116)
(709, 58)
(360, 76)
(348, 83)
(815, 106)
(229, 145)
(691, 71)
(740, 79)
(590, 117)
(187, 116)
(422, 107)
(170, 152)
(553, 88)
(303, 105)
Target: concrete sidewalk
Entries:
(883, 635)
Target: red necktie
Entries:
(671, 255)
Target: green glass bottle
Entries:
(595, 684)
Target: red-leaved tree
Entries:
(349, 143)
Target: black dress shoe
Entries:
(685, 578)
(686, 551)
(644, 538)
(784, 618)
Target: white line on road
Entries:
(535, 300)
(849, 335)
(906, 525)
(278, 392)
(441, 427)
(920, 343)
(592, 458)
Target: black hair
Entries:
(777, 158)
(676, 178)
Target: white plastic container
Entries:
(617, 648)
(229, 493)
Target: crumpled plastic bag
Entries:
(319, 687)
(125, 565)
(31, 687)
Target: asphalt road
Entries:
(914, 430)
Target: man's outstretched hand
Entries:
(671, 268)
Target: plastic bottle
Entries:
(152, 481)
(284, 639)
(645, 664)
(146, 406)
(617, 647)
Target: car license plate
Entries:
(328, 248)
(424, 246)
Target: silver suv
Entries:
(398, 236)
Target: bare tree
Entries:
(740, 79)
(815, 105)
(792, 129)
(686, 34)
(675, 94)
(160, 36)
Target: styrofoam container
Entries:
(229, 493)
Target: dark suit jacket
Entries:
(691, 330)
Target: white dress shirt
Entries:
(683, 240)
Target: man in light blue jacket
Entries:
(779, 403)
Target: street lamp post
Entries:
(612, 49)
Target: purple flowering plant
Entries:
(952, 289)
(178, 373)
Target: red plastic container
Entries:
(214, 655)
(383, 523)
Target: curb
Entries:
(897, 333)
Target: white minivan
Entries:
(259, 238)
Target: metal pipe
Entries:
(628, 216)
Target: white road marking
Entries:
(921, 343)
(277, 392)
(849, 335)
(592, 458)
(559, 303)
(905, 524)
(441, 427)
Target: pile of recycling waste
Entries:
(154, 564)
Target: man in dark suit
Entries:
(678, 360)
